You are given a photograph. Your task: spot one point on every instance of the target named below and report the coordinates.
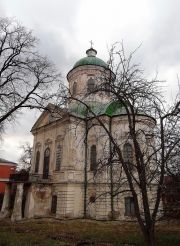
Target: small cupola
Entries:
(91, 59)
(91, 52)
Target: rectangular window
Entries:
(129, 206)
(93, 158)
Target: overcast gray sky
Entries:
(65, 28)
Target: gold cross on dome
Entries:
(91, 42)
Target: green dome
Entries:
(91, 59)
(113, 108)
(110, 109)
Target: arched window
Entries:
(37, 162)
(128, 154)
(90, 85)
(92, 199)
(74, 90)
(54, 204)
(58, 157)
(107, 89)
(93, 157)
(46, 163)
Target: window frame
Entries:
(58, 167)
(129, 206)
(47, 164)
(93, 158)
(74, 88)
(128, 155)
(90, 85)
(37, 161)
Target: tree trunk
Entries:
(111, 176)
(149, 236)
(85, 172)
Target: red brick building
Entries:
(6, 168)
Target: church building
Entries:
(73, 174)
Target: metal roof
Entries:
(6, 161)
(109, 109)
(91, 60)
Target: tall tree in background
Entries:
(27, 79)
(24, 162)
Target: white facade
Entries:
(64, 182)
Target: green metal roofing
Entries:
(114, 108)
(91, 60)
(110, 109)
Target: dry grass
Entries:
(71, 232)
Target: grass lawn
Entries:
(71, 232)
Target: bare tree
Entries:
(27, 79)
(25, 158)
(153, 130)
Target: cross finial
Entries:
(91, 42)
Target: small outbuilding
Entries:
(6, 169)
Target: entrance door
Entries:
(46, 163)
(54, 204)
